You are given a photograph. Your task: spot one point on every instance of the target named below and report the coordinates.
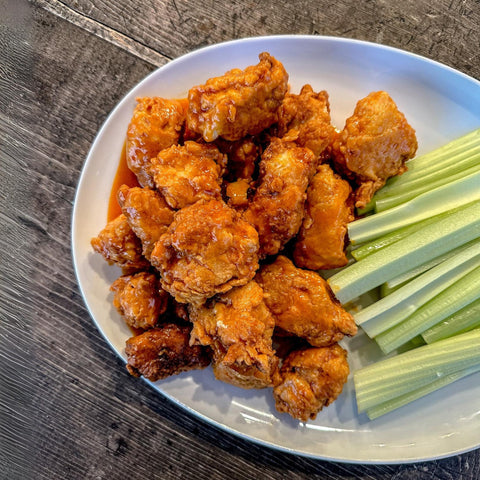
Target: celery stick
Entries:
(464, 320)
(433, 159)
(428, 204)
(375, 383)
(402, 196)
(419, 247)
(415, 272)
(449, 301)
(390, 405)
(371, 247)
(413, 179)
(400, 304)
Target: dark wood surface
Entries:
(68, 408)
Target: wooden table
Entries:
(68, 408)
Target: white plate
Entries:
(441, 104)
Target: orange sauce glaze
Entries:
(123, 176)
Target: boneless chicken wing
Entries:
(374, 145)
(329, 208)
(238, 103)
(164, 351)
(187, 173)
(147, 214)
(277, 207)
(140, 299)
(302, 303)
(305, 120)
(310, 380)
(156, 124)
(238, 326)
(207, 249)
(119, 245)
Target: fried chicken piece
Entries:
(207, 249)
(156, 124)
(140, 299)
(147, 214)
(164, 351)
(238, 103)
(303, 304)
(311, 379)
(305, 120)
(188, 173)
(242, 157)
(119, 245)
(328, 210)
(239, 327)
(237, 193)
(277, 208)
(374, 145)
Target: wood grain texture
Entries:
(68, 409)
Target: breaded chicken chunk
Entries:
(156, 124)
(277, 208)
(239, 327)
(164, 351)
(207, 249)
(311, 379)
(329, 208)
(303, 304)
(140, 299)
(147, 214)
(119, 245)
(305, 120)
(238, 103)
(374, 145)
(185, 174)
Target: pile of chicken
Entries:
(245, 191)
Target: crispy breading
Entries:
(374, 145)
(277, 207)
(329, 208)
(239, 327)
(303, 304)
(238, 103)
(207, 249)
(311, 379)
(156, 124)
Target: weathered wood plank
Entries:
(445, 30)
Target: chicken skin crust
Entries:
(119, 245)
(305, 120)
(277, 208)
(329, 208)
(238, 326)
(156, 124)
(311, 379)
(207, 249)
(238, 103)
(187, 173)
(302, 304)
(374, 145)
(147, 214)
(140, 299)
(164, 351)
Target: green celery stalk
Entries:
(397, 402)
(428, 204)
(421, 246)
(385, 380)
(464, 320)
(404, 302)
(447, 302)
(371, 247)
(390, 201)
(411, 180)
